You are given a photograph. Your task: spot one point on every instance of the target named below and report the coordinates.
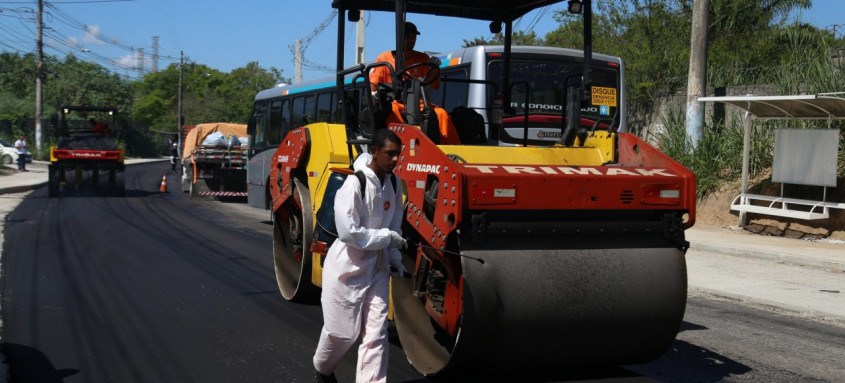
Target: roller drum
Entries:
(540, 309)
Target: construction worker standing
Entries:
(357, 266)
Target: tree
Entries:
(16, 71)
(77, 82)
(652, 37)
(518, 38)
(241, 86)
(208, 95)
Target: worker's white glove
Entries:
(396, 241)
(397, 269)
(436, 61)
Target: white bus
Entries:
(470, 77)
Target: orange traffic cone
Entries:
(163, 187)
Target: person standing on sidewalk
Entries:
(174, 156)
(20, 146)
(357, 266)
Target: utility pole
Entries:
(179, 103)
(302, 44)
(139, 60)
(359, 33)
(155, 55)
(297, 62)
(697, 77)
(39, 66)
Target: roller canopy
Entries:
(493, 10)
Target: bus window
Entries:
(335, 115)
(310, 113)
(286, 118)
(546, 83)
(324, 106)
(298, 108)
(274, 127)
(455, 93)
(540, 86)
(260, 111)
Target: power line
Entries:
(537, 19)
(301, 45)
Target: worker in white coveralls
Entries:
(357, 266)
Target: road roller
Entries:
(524, 255)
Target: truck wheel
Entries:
(293, 229)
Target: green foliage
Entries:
(17, 93)
(17, 74)
(208, 95)
(518, 38)
(653, 36)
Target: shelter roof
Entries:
(492, 10)
(809, 107)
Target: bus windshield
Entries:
(540, 85)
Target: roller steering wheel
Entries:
(405, 75)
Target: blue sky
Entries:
(228, 34)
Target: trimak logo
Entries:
(568, 170)
(84, 154)
(423, 168)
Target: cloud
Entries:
(91, 35)
(127, 61)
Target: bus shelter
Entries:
(801, 156)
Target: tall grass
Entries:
(718, 156)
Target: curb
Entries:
(773, 256)
(792, 310)
(21, 188)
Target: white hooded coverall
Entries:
(355, 275)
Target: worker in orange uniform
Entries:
(99, 127)
(381, 74)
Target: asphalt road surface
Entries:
(156, 287)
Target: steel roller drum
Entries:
(540, 309)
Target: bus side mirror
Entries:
(250, 126)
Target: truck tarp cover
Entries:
(196, 136)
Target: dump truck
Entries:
(214, 158)
(524, 254)
(87, 152)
